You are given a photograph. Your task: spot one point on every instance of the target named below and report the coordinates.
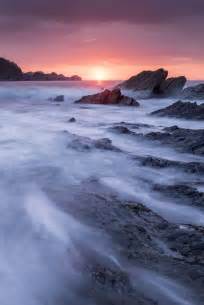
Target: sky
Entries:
(111, 39)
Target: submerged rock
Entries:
(196, 92)
(184, 110)
(185, 140)
(108, 97)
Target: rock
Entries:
(59, 98)
(81, 143)
(172, 86)
(72, 120)
(189, 167)
(41, 76)
(196, 92)
(9, 71)
(182, 193)
(121, 130)
(146, 80)
(185, 110)
(185, 140)
(108, 97)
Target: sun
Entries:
(99, 73)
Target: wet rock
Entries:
(72, 120)
(185, 110)
(145, 81)
(85, 144)
(182, 193)
(189, 167)
(134, 125)
(196, 92)
(172, 86)
(121, 130)
(185, 140)
(59, 98)
(108, 97)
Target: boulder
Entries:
(196, 92)
(58, 98)
(108, 97)
(72, 120)
(184, 110)
(145, 81)
(172, 86)
(9, 71)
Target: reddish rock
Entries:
(108, 97)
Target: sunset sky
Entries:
(116, 38)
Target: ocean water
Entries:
(39, 236)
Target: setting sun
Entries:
(99, 73)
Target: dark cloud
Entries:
(85, 11)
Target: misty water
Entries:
(51, 224)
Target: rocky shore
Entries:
(10, 71)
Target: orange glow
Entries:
(99, 74)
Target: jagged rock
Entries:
(172, 86)
(189, 167)
(196, 92)
(146, 80)
(185, 140)
(108, 97)
(9, 71)
(184, 110)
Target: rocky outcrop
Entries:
(172, 86)
(146, 81)
(154, 84)
(185, 110)
(184, 140)
(108, 97)
(196, 92)
(9, 71)
(41, 76)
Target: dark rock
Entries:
(189, 167)
(196, 92)
(59, 98)
(81, 143)
(9, 71)
(182, 193)
(121, 130)
(185, 140)
(172, 86)
(72, 120)
(108, 97)
(41, 76)
(145, 81)
(185, 110)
